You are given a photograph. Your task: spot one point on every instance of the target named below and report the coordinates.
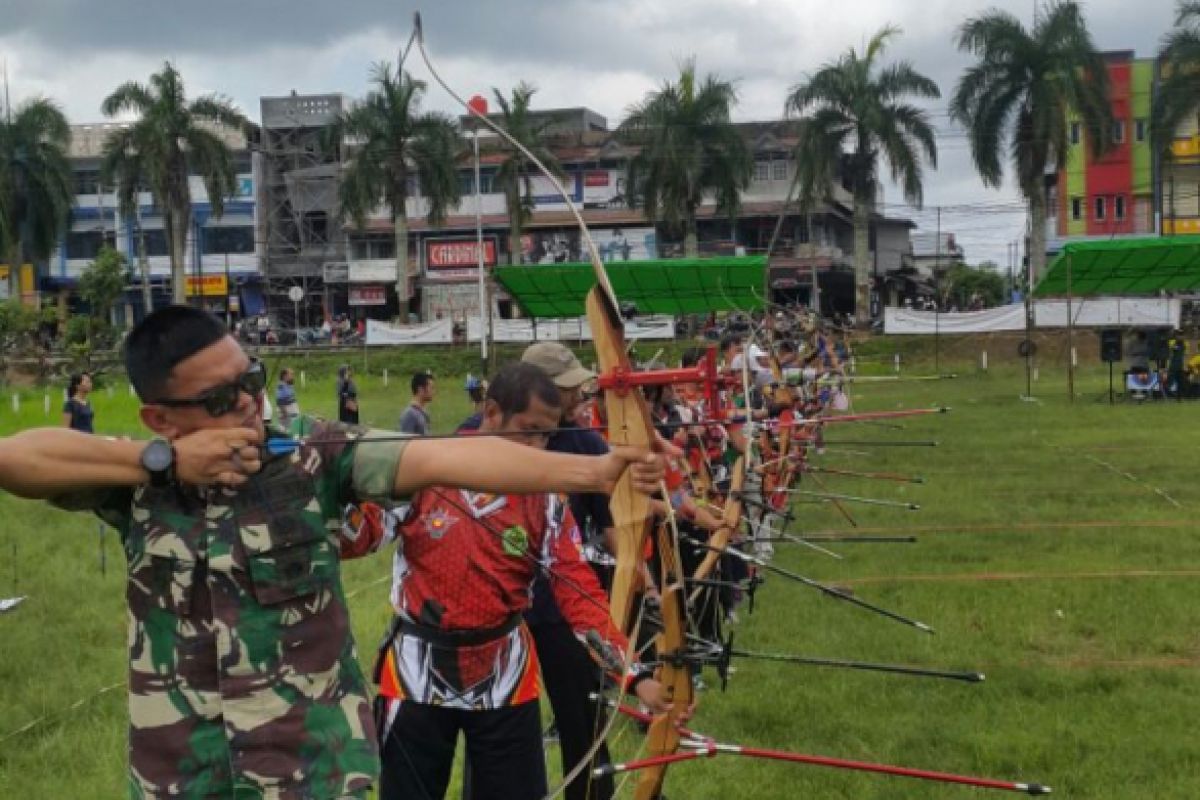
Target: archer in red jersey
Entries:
(459, 657)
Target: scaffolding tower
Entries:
(298, 197)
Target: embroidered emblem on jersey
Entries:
(437, 522)
(482, 504)
(515, 541)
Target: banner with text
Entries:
(457, 259)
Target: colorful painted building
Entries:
(1111, 195)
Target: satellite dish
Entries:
(295, 294)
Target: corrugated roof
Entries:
(1123, 267)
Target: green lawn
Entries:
(1039, 561)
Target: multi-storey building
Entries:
(221, 256)
(815, 246)
(1113, 194)
(1129, 190)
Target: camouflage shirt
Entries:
(243, 676)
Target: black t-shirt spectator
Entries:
(347, 397)
(82, 415)
(589, 509)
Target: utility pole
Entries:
(937, 295)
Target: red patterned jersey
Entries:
(465, 562)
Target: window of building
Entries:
(370, 248)
(779, 170)
(1052, 202)
(1119, 207)
(1075, 132)
(1076, 209)
(466, 183)
(1118, 132)
(1139, 130)
(762, 170)
(317, 223)
(84, 244)
(156, 242)
(228, 240)
(87, 181)
(1099, 203)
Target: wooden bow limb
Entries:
(731, 519)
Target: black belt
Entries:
(460, 638)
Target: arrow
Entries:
(828, 590)
(870, 501)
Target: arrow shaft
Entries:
(828, 590)
(787, 658)
(706, 749)
(697, 746)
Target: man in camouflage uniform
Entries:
(244, 680)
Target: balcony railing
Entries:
(1181, 227)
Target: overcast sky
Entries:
(603, 54)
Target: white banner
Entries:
(908, 321)
(1110, 312)
(1104, 312)
(512, 330)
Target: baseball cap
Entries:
(559, 363)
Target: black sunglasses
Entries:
(220, 400)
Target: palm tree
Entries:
(513, 174)
(1179, 89)
(1020, 96)
(395, 148)
(36, 186)
(688, 148)
(171, 139)
(853, 114)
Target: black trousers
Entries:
(570, 675)
(504, 747)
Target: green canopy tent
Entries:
(1123, 267)
(1119, 268)
(666, 286)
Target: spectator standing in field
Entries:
(285, 397)
(477, 389)
(347, 394)
(415, 419)
(77, 410)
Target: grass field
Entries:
(1057, 553)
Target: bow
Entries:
(629, 424)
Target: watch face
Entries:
(158, 456)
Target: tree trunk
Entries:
(862, 264)
(400, 232)
(1037, 236)
(177, 228)
(691, 240)
(513, 201)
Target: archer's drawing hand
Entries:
(219, 455)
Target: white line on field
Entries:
(1134, 478)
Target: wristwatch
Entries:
(158, 459)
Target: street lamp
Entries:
(479, 107)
